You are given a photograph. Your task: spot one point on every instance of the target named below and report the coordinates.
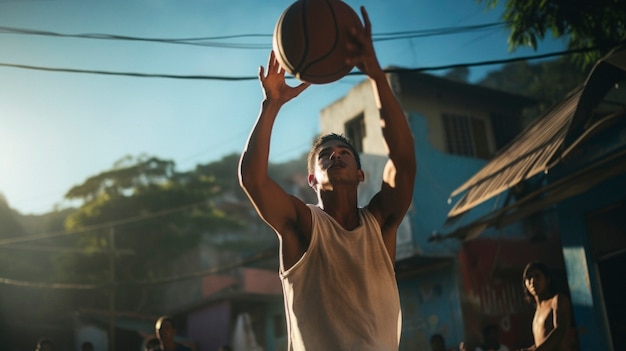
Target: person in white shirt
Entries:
(336, 258)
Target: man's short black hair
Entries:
(326, 138)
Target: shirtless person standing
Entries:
(551, 322)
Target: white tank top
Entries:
(342, 294)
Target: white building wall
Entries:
(359, 100)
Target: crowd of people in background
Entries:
(163, 340)
(550, 326)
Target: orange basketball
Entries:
(310, 39)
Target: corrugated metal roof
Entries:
(527, 155)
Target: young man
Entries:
(336, 259)
(166, 332)
(551, 322)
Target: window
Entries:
(355, 132)
(466, 136)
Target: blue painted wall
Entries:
(430, 304)
(582, 275)
(438, 174)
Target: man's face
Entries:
(334, 163)
(165, 330)
(536, 282)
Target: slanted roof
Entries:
(543, 143)
(407, 78)
(527, 155)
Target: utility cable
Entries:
(259, 256)
(211, 41)
(18, 239)
(21, 239)
(243, 78)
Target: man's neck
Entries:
(341, 204)
(543, 297)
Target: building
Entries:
(566, 174)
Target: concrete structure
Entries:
(570, 168)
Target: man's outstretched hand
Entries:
(273, 82)
(361, 49)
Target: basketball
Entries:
(310, 39)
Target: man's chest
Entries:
(543, 321)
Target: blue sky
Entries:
(57, 129)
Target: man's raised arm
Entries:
(271, 202)
(392, 202)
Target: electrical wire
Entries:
(244, 78)
(20, 239)
(211, 41)
(258, 256)
(194, 41)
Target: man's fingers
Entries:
(270, 59)
(366, 21)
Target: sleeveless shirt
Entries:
(342, 294)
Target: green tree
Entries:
(9, 225)
(584, 23)
(154, 212)
(24, 261)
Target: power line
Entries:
(197, 41)
(18, 239)
(128, 74)
(259, 256)
(65, 286)
(242, 78)
(21, 239)
(213, 41)
(435, 32)
(497, 62)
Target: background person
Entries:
(551, 322)
(166, 332)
